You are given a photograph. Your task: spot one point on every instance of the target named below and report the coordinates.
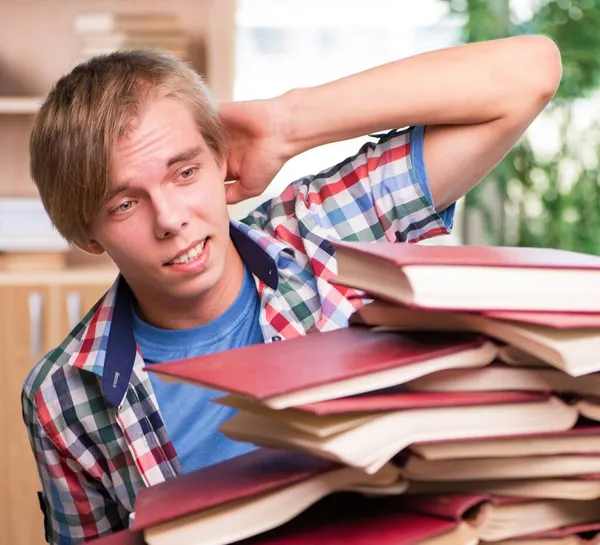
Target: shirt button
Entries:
(275, 338)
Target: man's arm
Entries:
(76, 506)
(476, 101)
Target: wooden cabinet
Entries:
(37, 313)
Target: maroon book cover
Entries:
(474, 256)
(356, 520)
(266, 370)
(123, 537)
(256, 472)
(552, 320)
(456, 506)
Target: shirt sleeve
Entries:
(76, 506)
(417, 159)
(380, 194)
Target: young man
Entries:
(130, 157)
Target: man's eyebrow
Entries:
(185, 155)
(115, 191)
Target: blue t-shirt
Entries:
(191, 418)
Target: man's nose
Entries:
(171, 216)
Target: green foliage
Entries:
(575, 26)
(554, 201)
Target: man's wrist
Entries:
(289, 113)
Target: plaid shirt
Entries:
(92, 417)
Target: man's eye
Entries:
(125, 206)
(187, 173)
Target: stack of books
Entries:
(462, 405)
(104, 32)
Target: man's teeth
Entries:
(191, 254)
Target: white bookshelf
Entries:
(19, 105)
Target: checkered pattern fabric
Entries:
(92, 456)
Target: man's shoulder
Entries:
(54, 370)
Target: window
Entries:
(284, 44)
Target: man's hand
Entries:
(257, 146)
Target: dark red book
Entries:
(327, 365)
(257, 472)
(552, 320)
(355, 520)
(531, 338)
(472, 277)
(123, 537)
(245, 496)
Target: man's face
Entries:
(166, 225)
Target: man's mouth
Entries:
(190, 255)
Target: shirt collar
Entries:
(109, 342)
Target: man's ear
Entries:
(92, 247)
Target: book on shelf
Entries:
(104, 32)
(107, 22)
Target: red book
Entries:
(245, 496)
(417, 400)
(124, 537)
(565, 531)
(552, 320)
(532, 338)
(472, 277)
(241, 477)
(497, 518)
(455, 506)
(328, 365)
(354, 520)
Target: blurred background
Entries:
(545, 193)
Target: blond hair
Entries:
(76, 130)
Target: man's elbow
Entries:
(542, 67)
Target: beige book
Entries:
(502, 377)
(510, 520)
(578, 488)
(482, 469)
(585, 442)
(372, 442)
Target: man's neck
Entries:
(189, 313)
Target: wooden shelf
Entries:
(19, 105)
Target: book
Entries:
(501, 517)
(415, 468)
(98, 23)
(333, 416)
(355, 520)
(344, 362)
(471, 277)
(369, 442)
(497, 376)
(245, 496)
(122, 537)
(577, 487)
(123, 40)
(557, 342)
(578, 440)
